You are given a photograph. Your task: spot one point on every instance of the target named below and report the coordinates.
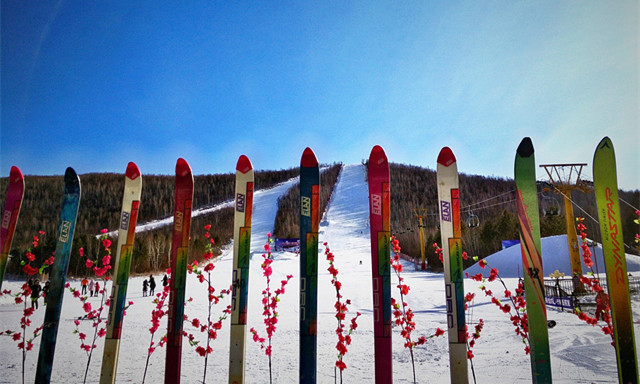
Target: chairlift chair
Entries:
(472, 220)
(550, 205)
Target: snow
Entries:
(580, 353)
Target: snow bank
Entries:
(555, 256)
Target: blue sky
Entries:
(94, 85)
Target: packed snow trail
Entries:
(580, 353)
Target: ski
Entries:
(179, 252)
(528, 216)
(379, 219)
(240, 277)
(451, 237)
(122, 266)
(309, 224)
(605, 183)
(12, 204)
(58, 275)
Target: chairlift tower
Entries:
(565, 178)
(420, 214)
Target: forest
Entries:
(488, 210)
(488, 213)
(100, 205)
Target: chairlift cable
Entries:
(591, 217)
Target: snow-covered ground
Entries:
(580, 353)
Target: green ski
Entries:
(309, 226)
(605, 183)
(527, 202)
(58, 275)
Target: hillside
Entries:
(100, 208)
(490, 200)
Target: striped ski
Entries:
(309, 223)
(379, 218)
(605, 183)
(179, 252)
(122, 266)
(449, 205)
(528, 216)
(240, 278)
(12, 204)
(58, 275)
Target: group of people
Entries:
(149, 286)
(38, 290)
(93, 286)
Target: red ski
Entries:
(12, 204)
(379, 217)
(179, 252)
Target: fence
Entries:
(564, 287)
(562, 294)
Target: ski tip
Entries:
(244, 164)
(132, 171)
(377, 156)
(182, 168)
(71, 180)
(15, 175)
(605, 143)
(308, 159)
(446, 157)
(525, 149)
(70, 173)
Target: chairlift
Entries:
(472, 220)
(550, 205)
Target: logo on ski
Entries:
(124, 223)
(306, 206)
(65, 228)
(613, 234)
(178, 219)
(240, 202)
(376, 204)
(445, 210)
(6, 219)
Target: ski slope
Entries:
(580, 353)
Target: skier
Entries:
(165, 281)
(84, 284)
(152, 285)
(602, 304)
(35, 293)
(45, 291)
(145, 284)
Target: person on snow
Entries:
(91, 285)
(35, 293)
(152, 285)
(97, 288)
(602, 304)
(145, 285)
(165, 281)
(84, 284)
(45, 291)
